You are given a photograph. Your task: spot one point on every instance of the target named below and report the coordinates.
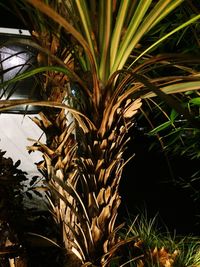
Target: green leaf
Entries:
(87, 29)
(182, 26)
(104, 58)
(34, 72)
(161, 127)
(173, 115)
(129, 41)
(178, 87)
(195, 101)
(117, 32)
(166, 11)
(146, 22)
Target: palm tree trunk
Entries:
(83, 172)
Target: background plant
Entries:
(12, 213)
(155, 246)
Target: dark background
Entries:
(8, 17)
(147, 185)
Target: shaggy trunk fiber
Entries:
(83, 172)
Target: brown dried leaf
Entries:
(100, 197)
(112, 136)
(107, 194)
(140, 263)
(96, 231)
(104, 216)
(45, 121)
(104, 144)
(59, 164)
(92, 201)
(37, 121)
(101, 175)
(132, 107)
(99, 164)
(109, 170)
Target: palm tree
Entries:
(94, 66)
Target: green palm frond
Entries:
(117, 35)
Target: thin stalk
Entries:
(132, 29)
(85, 18)
(117, 33)
(104, 63)
(101, 24)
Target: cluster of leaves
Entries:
(154, 247)
(16, 221)
(184, 41)
(11, 187)
(11, 205)
(175, 134)
(35, 188)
